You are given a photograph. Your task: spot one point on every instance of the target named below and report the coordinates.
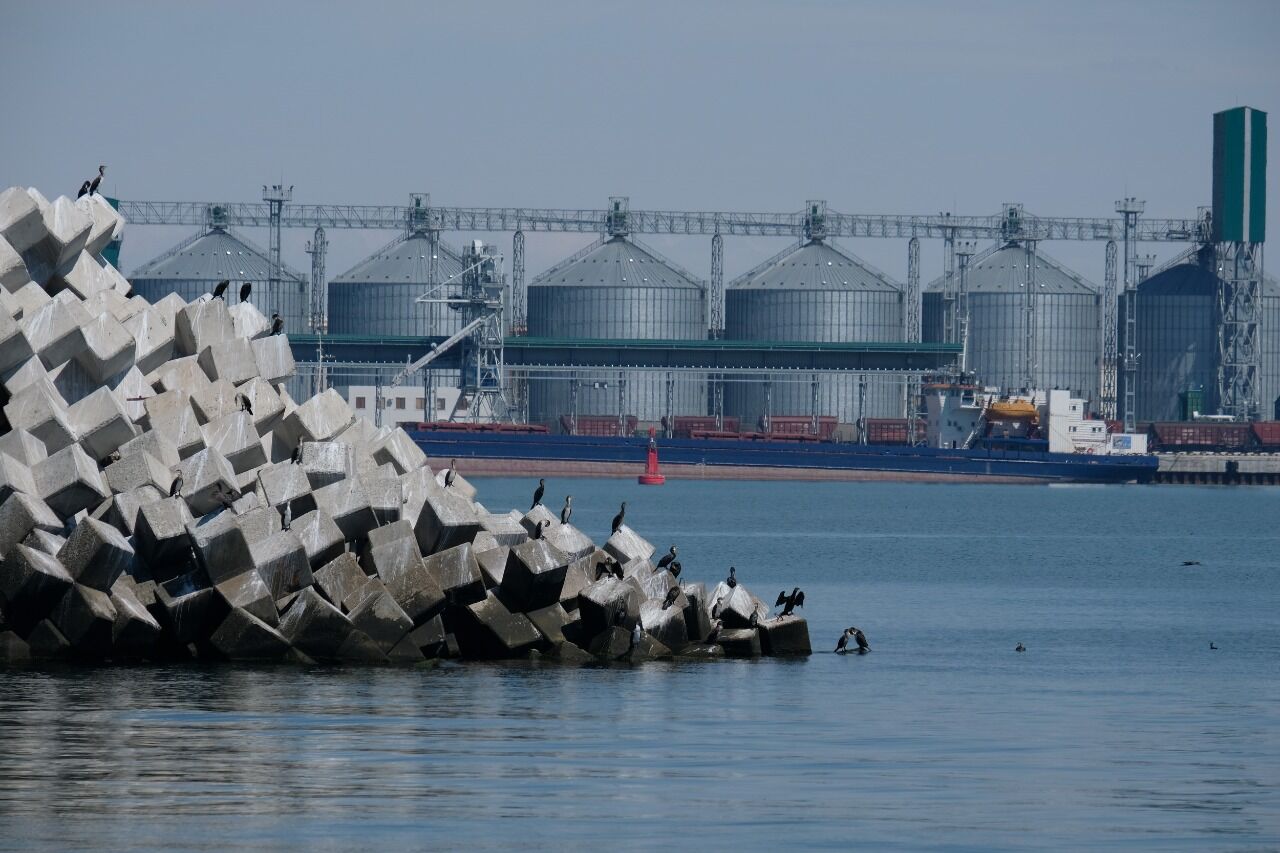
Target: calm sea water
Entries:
(1118, 728)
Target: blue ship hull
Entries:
(611, 455)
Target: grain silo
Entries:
(616, 290)
(1067, 322)
(817, 292)
(195, 267)
(379, 295)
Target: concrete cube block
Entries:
(86, 277)
(492, 563)
(347, 503)
(20, 514)
(108, 348)
(220, 545)
(243, 636)
(31, 585)
(666, 625)
(321, 537)
(21, 223)
(132, 388)
(137, 469)
(342, 581)
(414, 486)
(789, 636)
(398, 538)
(326, 462)
(534, 574)
(697, 615)
(104, 218)
(101, 423)
(384, 495)
(13, 269)
(611, 644)
(13, 649)
(734, 607)
(170, 304)
(282, 563)
(608, 603)
(627, 545)
(273, 358)
(172, 418)
(235, 437)
(121, 510)
(205, 475)
(284, 483)
(202, 324)
(248, 321)
(487, 630)
(231, 360)
(529, 521)
(446, 520)
(502, 529)
(258, 523)
(46, 642)
(399, 450)
(315, 626)
(134, 632)
(265, 402)
(189, 609)
(96, 554)
(740, 642)
(248, 591)
(319, 419)
(180, 374)
(69, 481)
(580, 575)
(154, 336)
(15, 477)
(550, 622)
(160, 534)
(214, 400)
(404, 575)
(85, 617)
(461, 486)
(67, 230)
(28, 299)
(457, 572)
(153, 442)
(570, 540)
(56, 331)
(22, 446)
(379, 617)
(45, 542)
(15, 349)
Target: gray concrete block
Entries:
(734, 607)
(461, 486)
(570, 540)
(179, 374)
(503, 529)
(611, 643)
(648, 648)
(550, 622)
(204, 476)
(220, 545)
(534, 575)
(47, 643)
(378, 616)
(358, 648)
(326, 462)
(170, 414)
(15, 477)
(656, 585)
(248, 321)
(249, 592)
(405, 575)
(134, 632)
(86, 277)
(45, 542)
(484, 540)
(160, 534)
(265, 402)
(740, 642)
(273, 358)
(446, 520)
(13, 649)
(347, 503)
(487, 629)
(121, 510)
(23, 447)
(67, 232)
(258, 523)
(105, 221)
(529, 521)
(414, 486)
(391, 545)
(85, 617)
(400, 450)
(580, 575)
(282, 563)
(342, 581)
(15, 349)
(315, 626)
(108, 348)
(189, 609)
(132, 388)
(243, 636)
(214, 400)
(492, 563)
(20, 514)
(287, 483)
(31, 585)
(13, 269)
(21, 224)
(608, 603)
(96, 554)
(107, 301)
(69, 481)
(154, 338)
(9, 305)
(101, 423)
(666, 625)
(457, 573)
(384, 495)
(236, 438)
(231, 360)
(627, 545)
(55, 331)
(39, 409)
(319, 419)
(153, 442)
(785, 636)
(137, 469)
(320, 536)
(429, 638)
(202, 324)
(697, 616)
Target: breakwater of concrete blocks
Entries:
(163, 498)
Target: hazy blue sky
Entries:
(885, 107)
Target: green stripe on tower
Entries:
(1258, 177)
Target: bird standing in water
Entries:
(538, 493)
(567, 511)
(451, 473)
(667, 558)
(842, 645)
(617, 519)
(1019, 648)
(220, 292)
(245, 290)
(732, 580)
(863, 645)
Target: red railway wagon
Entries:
(1267, 435)
(802, 425)
(683, 426)
(599, 425)
(1183, 435)
(892, 430)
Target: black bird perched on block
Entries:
(224, 499)
(667, 558)
(603, 569)
(716, 627)
(672, 595)
(245, 290)
(675, 568)
(538, 493)
(537, 531)
(277, 323)
(449, 475)
(286, 516)
(175, 489)
(617, 569)
(220, 292)
(732, 580)
(567, 511)
(617, 519)
(296, 456)
(93, 187)
(791, 602)
(243, 401)
(84, 190)
(1019, 648)
(755, 618)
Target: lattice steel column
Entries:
(862, 408)
(912, 332)
(949, 332)
(518, 293)
(1110, 332)
(717, 286)
(275, 196)
(1131, 208)
(1239, 317)
(1030, 337)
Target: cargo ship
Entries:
(972, 435)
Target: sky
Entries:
(887, 107)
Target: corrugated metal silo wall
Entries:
(289, 298)
(1177, 346)
(617, 313)
(377, 308)
(1269, 379)
(932, 317)
(818, 316)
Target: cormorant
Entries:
(175, 489)
(842, 646)
(1019, 648)
(863, 645)
(449, 475)
(672, 595)
(93, 187)
(224, 499)
(1212, 646)
(567, 511)
(603, 569)
(617, 519)
(637, 634)
(245, 290)
(286, 516)
(84, 190)
(243, 401)
(716, 627)
(667, 558)
(537, 531)
(791, 602)
(538, 493)
(277, 323)
(296, 456)
(220, 291)
(675, 568)
(617, 570)
(732, 580)
(755, 618)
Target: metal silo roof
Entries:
(816, 265)
(407, 260)
(1004, 271)
(213, 256)
(1193, 279)
(617, 262)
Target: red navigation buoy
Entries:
(652, 476)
